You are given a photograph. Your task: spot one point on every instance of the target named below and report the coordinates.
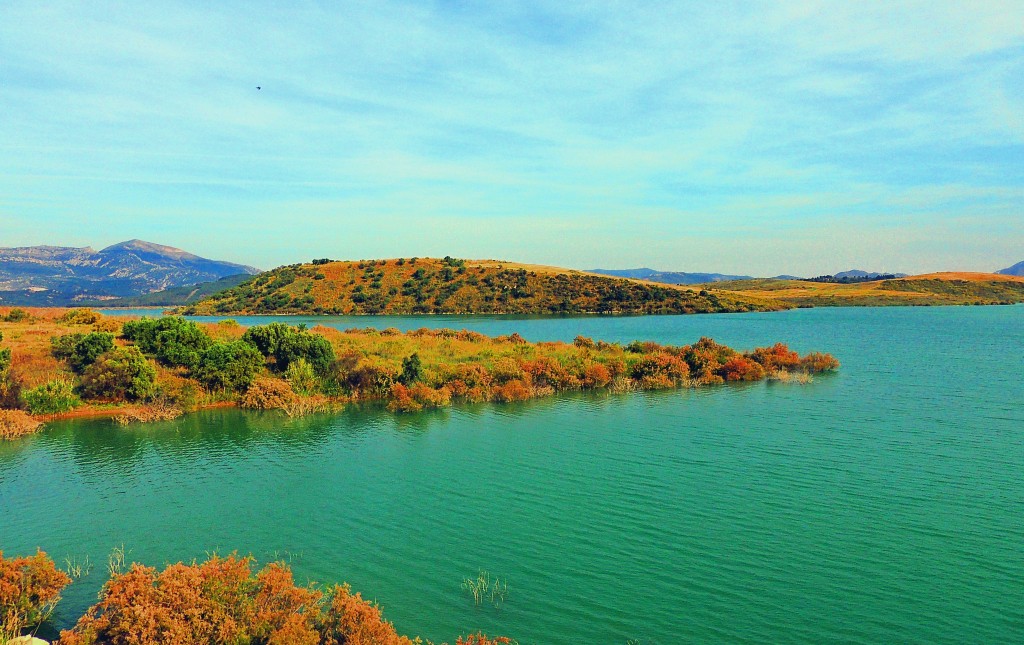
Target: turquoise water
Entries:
(884, 503)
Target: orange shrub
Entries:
(596, 375)
(512, 391)
(741, 368)
(776, 357)
(350, 620)
(430, 397)
(819, 362)
(268, 394)
(402, 401)
(29, 590)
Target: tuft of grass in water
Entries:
(116, 561)
(485, 588)
(76, 568)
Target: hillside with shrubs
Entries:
(57, 363)
(453, 286)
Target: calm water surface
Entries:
(884, 503)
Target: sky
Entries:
(748, 138)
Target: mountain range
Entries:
(58, 275)
(669, 277)
(1017, 269)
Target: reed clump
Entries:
(486, 588)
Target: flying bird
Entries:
(258, 87)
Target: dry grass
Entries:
(16, 423)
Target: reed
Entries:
(485, 588)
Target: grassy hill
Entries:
(928, 289)
(451, 286)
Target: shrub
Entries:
(29, 590)
(121, 374)
(301, 377)
(819, 362)
(173, 340)
(412, 370)
(741, 368)
(351, 620)
(5, 358)
(231, 366)
(596, 375)
(515, 390)
(16, 423)
(223, 601)
(52, 397)
(776, 357)
(268, 394)
(88, 348)
(79, 317)
(285, 344)
(16, 315)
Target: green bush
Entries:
(81, 350)
(123, 373)
(173, 340)
(52, 397)
(285, 344)
(232, 366)
(301, 377)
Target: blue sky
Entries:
(757, 138)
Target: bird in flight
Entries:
(258, 87)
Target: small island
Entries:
(74, 362)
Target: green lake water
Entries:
(881, 504)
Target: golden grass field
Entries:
(947, 288)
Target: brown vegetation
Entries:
(219, 601)
(29, 590)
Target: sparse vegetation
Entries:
(453, 286)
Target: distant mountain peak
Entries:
(1017, 269)
(129, 268)
(149, 247)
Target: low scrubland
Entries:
(56, 363)
(222, 601)
(456, 286)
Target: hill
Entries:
(1017, 270)
(928, 289)
(174, 297)
(450, 286)
(55, 275)
(669, 277)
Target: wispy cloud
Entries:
(668, 134)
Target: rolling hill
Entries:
(450, 286)
(55, 275)
(927, 289)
